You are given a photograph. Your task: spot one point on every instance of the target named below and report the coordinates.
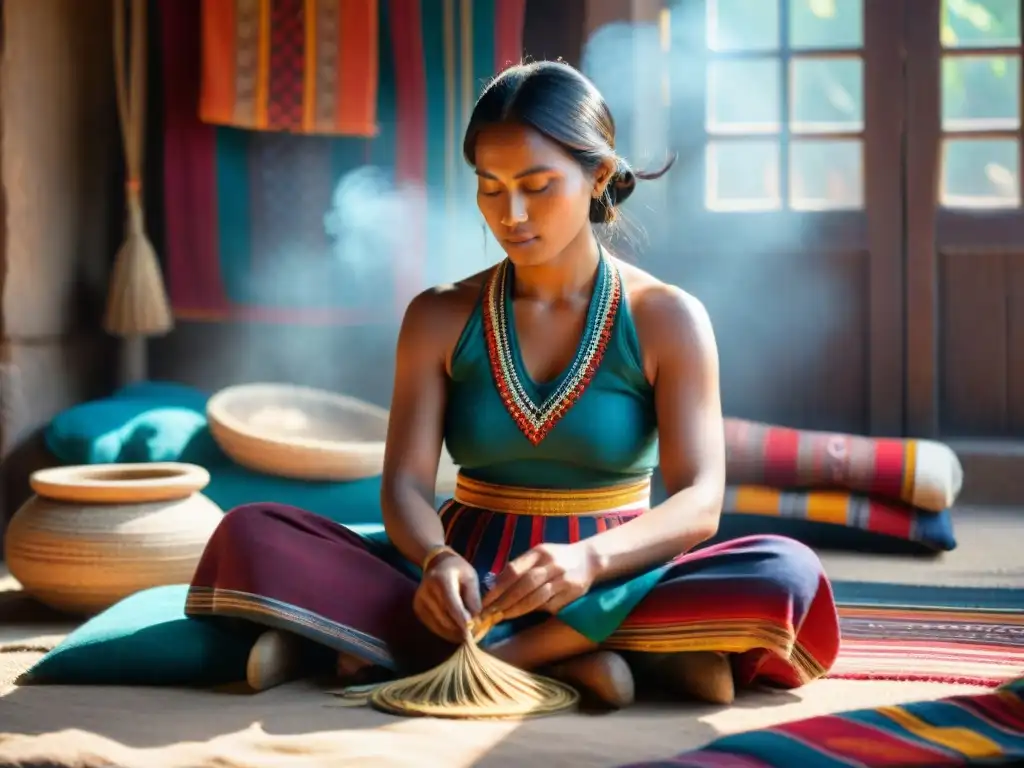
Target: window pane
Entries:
(980, 173)
(743, 96)
(980, 92)
(980, 23)
(826, 175)
(742, 176)
(743, 25)
(828, 95)
(826, 23)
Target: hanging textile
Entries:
(245, 210)
(301, 66)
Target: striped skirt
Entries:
(763, 599)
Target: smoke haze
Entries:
(776, 316)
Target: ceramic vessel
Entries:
(95, 534)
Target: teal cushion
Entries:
(152, 421)
(146, 639)
(357, 501)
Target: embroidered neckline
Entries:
(535, 420)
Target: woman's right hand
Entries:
(448, 597)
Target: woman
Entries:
(559, 379)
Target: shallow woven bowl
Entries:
(299, 432)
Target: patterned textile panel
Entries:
(304, 66)
(985, 729)
(922, 473)
(248, 212)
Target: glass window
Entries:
(784, 105)
(980, 93)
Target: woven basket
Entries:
(299, 432)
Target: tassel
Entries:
(137, 303)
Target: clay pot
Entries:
(93, 535)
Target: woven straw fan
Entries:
(471, 685)
(137, 303)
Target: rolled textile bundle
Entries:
(834, 519)
(922, 473)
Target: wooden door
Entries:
(965, 226)
(785, 212)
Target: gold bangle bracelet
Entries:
(434, 553)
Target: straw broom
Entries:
(470, 685)
(137, 303)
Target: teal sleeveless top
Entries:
(592, 426)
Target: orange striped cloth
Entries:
(789, 512)
(301, 66)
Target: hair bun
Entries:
(618, 190)
(622, 185)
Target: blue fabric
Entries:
(146, 422)
(146, 639)
(609, 435)
(964, 730)
(164, 421)
(934, 533)
(357, 501)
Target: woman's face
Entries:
(534, 196)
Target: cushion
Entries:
(152, 421)
(146, 639)
(835, 520)
(828, 519)
(356, 501)
(923, 473)
(355, 504)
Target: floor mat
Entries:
(982, 729)
(968, 635)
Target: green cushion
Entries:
(152, 421)
(146, 639)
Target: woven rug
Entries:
(968, 635)
(981, 729)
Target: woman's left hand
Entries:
(547, 578)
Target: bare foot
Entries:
(275, 658)
(349, 666)
(602, 674)
(703, 675)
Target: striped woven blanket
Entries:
(986, 729)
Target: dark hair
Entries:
(558, 101)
